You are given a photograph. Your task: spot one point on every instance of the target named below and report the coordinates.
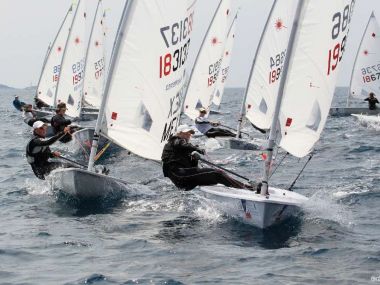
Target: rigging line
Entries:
(279, 163)
(299, 174)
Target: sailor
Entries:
(209, 128)
(182, 168)
(38, 151)
(18, 104)
(372, 101)
(30, 116)
(59, 122)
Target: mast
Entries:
(115, 52)
(242, 110)
(199, 51)
(49, 49)
(356, 59)
(273, 129)
(89, 45)
(64, 54)
(43, 67)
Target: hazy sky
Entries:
(28, 26)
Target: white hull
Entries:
(241, 144)
(85, 185)
(255, 209)
(347, 111)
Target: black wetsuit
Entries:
(38, 154)
(184, 172)
(58, 122)
(372, 103)
(205, 127)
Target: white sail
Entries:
(70, 83)
(50, 72)
(225, 67)
(207, 66)
(95, 71)
(265, 78)
(312, 75)
(147, 74)
(366, 73)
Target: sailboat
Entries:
(307, 82)
(68, 75)
(95, 65)
(264, 79)
(365, 77)
(225, 66)
(206, 71)
(143, 94)
(48, 80)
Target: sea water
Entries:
(157, 234)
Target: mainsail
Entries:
(70, 84)
(206, 70)
(95, 70)
(264, 80)
(314, 66)
(144, 89)
(225, 67)
(365, 76)
(51, 70)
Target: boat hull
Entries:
(256, 209)
(86, 185)
(240, 144)
(347, 111)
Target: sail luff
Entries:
(64, 54)
(242, 109)
(49, 56)
(283, 80)
(199, 52)
(94, 72)
(43, 67)
(225, 63)
(123, 22)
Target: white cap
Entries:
(38, 124)
(184, 129)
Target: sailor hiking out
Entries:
(182, 168)
(59, 122)
(209, 128)
(38, 151)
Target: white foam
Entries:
(324, 205)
